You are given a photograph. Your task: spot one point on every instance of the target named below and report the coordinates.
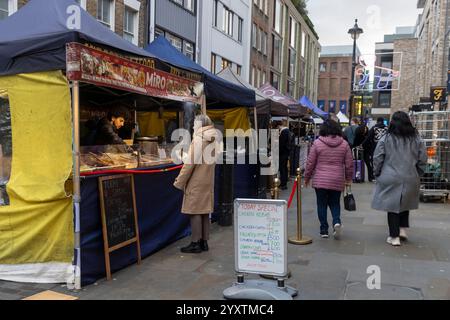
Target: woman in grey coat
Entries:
(399, 161)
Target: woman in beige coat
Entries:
(196, 179)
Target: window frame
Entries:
(112, 15)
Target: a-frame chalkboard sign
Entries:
(119, 216)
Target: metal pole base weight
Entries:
(259, 290)
(270, 277)
(303, 241)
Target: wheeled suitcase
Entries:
(359, 169)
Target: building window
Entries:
(276, 52)
(385, 99)
(228, 19)
(258, 39)
(254, 76)
(240, 29)
(334, 67)
(264, 38)
(213, 63)
(278, 17)
(266, 7)
(105, 13)
(158, 32)
(254, 35)
(290, 88)
(239, 69)
(130, 25)
(292, 62)
(4, 9)
(345, 67)
(187, 4)
(264, 79)
(82, 3)
(226, 63)
(293, 33)
(303, 44)
(189, 50)
(275, 80)
(216, 13)
(175, 41)
(323, 67)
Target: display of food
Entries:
(99, 161)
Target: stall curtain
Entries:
(236, 118)
(153, 124)
(36, 229)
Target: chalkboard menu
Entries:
(261, 237)
(119, 216)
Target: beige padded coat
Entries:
(196, 178)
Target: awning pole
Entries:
(76, 180)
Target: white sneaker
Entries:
(324, 236)
(403, 235)
(394, 241)
(337, 231)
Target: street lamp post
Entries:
(355, 32)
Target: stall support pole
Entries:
(76, 181)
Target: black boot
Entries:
(204, 245)
(194, 247)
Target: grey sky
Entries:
(333, 18)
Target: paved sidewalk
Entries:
(326, 269)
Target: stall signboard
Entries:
(261, 237)
(93, 65)
(119, 215)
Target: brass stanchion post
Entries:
(300, 239)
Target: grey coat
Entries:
(398, 165)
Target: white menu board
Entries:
(260, 233)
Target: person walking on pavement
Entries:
(399, 160)
(284, 153)
(361, 143)
(196, 179)
(370, 144)
(330, 167)
(349, 132)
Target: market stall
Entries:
(49, 72)
(228, 104)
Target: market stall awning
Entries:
(343, 118)
(35, 37)
(293, 107)
(304, 101)
(264, 104)
(219, 92)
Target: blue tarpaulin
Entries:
(219, 92)
(34, 38)
(304, 101)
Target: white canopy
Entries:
(342, 117)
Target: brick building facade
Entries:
(285, 49)
(335, 67)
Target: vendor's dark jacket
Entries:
(107, 134)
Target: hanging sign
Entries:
(438, 94)
(106, 69)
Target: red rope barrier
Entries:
(294, 188)
(96, 173)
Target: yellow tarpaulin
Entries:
(37, 226)
(236, 118)
(152, 125)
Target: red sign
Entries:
(104, 69)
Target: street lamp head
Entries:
(356, 31)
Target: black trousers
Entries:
(368, 159)
(284, 171)
(397, 221)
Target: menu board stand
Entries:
(260, 232)
(119, 216)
